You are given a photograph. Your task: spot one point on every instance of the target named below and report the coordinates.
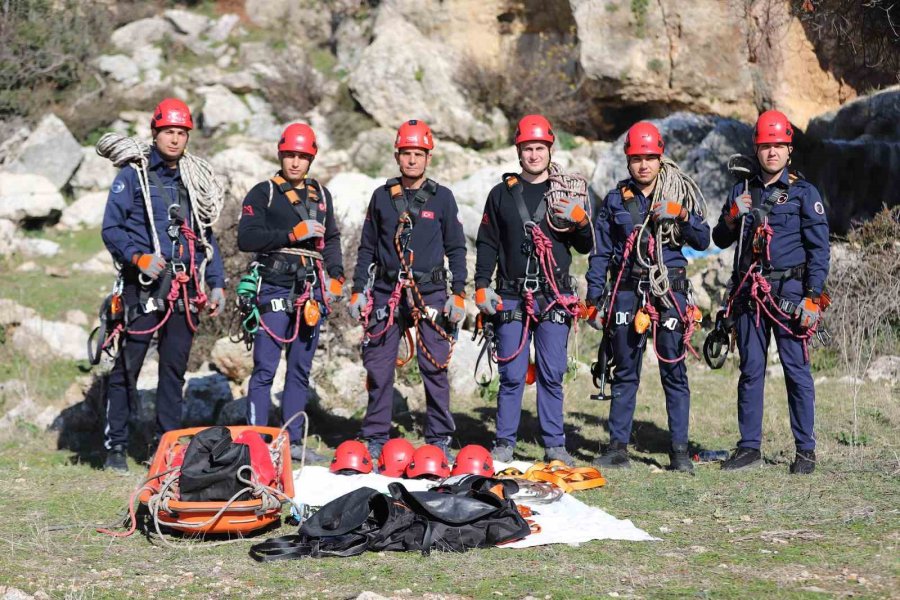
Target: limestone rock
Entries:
(121, 68)
(241, 169)
(101, 263)
(50, 151)
(373, 152)
(39, 338)
(28, 197)
(462, 366)
(187, 23)
(9, 237)
(221, 107)
(427, 80)
(222, 28)
(94, 172)
(232, 360)
(140, 33)
(205, 394)
(37, 247)
(13, 313)
(85, 212)
(351, 193)
(885, 368)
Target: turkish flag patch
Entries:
(247, 210)
(322, 206)
(427, 214)
(484, 219)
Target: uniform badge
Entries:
(819, 208)
(247, 210)
(427, 214)
(322, 206)
(117, 186)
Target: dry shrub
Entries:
(545, 80)
(865, 287)
(295, 92)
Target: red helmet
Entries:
(643, 138)
(534, 128)
(298, 137)
(773, 127)
(171, 112)
(428, 460)
(414, 134)
(395, 456)
(474, 460)
(352, 455)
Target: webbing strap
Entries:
(305, 210)
(515, 188)
(425, 191)
(568, 479)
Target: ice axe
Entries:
(741, 167)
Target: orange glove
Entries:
(740, 206)
(488, 301)
(669, 211)
(150, 265)
(305, 230)
(455, 308)
(807, 312)
(334, 289)
(356, 306)
(570, 210)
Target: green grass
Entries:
(723, 535)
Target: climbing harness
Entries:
(406, 283)
(759, 276)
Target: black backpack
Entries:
(451, 518)
(211, 464)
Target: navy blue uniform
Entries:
(437, 233)
(797, 266)
(126, 233)
(499, 247)
(267, 219)
(612, 227)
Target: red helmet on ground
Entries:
(414, 134)
(428, 461)
(351, 455)
(298, 137)
(395, 457)
(171, 112)
(773, 127)
(643, 138)
(474, 460)
(534, 128)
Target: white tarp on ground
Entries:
(567, 521)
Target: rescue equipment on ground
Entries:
(396, 454)
(569, 479)
(473, 460)
(428, 461)
(216, 480)
(351, 456)
(472, 512)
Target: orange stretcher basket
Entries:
(239, 517)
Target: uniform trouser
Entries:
(175, 340)
(753, 345)
(628, 351)
(266, 356)
(550, 345)
(379, 357)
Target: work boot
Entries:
(804, 463)
(375, 447)
(116, 461)
(444, 445)
(679, 459)
(559, 453)
(312, 457)
(503, 451)
(743, 458)
(615, 456)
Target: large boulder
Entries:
(9, 237)
(205, 394)
(373, 152)
(50, 151)
(187, 23)
(13, 313)
(474, 189)
(27, 198)
(94, 172)
(141, 33)
(222, 108)
(241, 169)
(885, 368)
(351, 193)
(120, 68)
(99, 264)
(425, 78)
(85, 212)
(232, 360)
(38, 247)
(40, 339)
(461, 371)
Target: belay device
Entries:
(247, 309)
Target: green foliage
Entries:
(419, 74)
(565, 140)
(639, 10)
(45, 51)
(656, 65)
(489, 392)
(846, 438)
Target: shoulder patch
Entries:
(117, 186)
(819, 208)
(247, 210)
